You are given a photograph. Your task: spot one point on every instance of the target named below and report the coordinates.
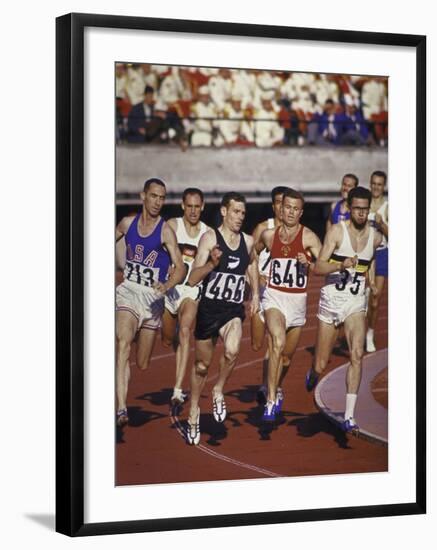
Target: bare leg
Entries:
(291, 341)
(187, 314)
(126, 328)
(145, 344)
(204, 353)
(276, 326)
(372, 313)
(231, 336)
(168, 330)
(326, 336)
(354, 328)
(257, 330)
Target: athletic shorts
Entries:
(381, 262)
(292, 305)
(211, 318)
(335, 306)
(145, 304)
(262, 290)
(175, 296)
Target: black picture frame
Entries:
(70, 273)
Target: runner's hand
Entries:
(254, 305)
(350, 262)
(215, 255)
(160, 287)
(302, 258)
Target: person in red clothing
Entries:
(291, 247)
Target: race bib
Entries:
(140, 274)
(226, 286)
(288, 273)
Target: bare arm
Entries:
(323, 267)
(177, 275)
(381, 225)
(207, 258)
(311, 242)
(122, 227)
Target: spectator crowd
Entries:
(195, 106)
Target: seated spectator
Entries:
(220, 88)
(267, 129)
(234, 130)
(289, 120)
(355, 131)
(143, 125)
(203, 112)
(173, 88)
(149, 122)
(327, 128)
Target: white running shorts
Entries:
(145, 303)
(292, 306)
(335, 305)
(176, 295)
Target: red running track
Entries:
(151, 448)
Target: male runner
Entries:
(378, 218)
(284, 301)
(181, 302)
(222, 262)
(347, 252)
(257, 321)
(339, 209)
(340, 212)
(150, 246)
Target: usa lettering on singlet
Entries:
(226, 282)
(286, 272)
(351, 280)
(147, 261)
(188, 245)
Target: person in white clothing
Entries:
(267, 129)
(378, 217)
(345, 258)
(204, 112)
(182, 301)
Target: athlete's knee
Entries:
(286, 360)
(167, 341)
(201, 368)
(184, 333)
(278, 342)
(123, 346)
(356, 354)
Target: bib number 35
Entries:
(355, 282)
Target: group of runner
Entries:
(180, 274)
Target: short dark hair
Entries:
(192, 191)
(150, 181)
(279, 190)
(359, 193)
(232, 196)
(293, 194)
(351, 176)
(379, 174)
(149, 90)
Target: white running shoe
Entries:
(370, 344)
(218, 407)
(178, 397)
(193, 430)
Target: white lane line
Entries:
(220, 456)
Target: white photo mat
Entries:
(103, 501)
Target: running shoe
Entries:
(279, 400)
(311, 379)
(269, 414)
(193, 430)
(218, 407)
(178, 397)
(350, 426)
(122, 417)
(261, 395)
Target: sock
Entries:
(370, 333)
(351, 399)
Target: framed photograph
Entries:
(229, 349)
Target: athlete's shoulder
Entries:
(248, 240)
(126, 222)
(259, 228)
(173, 223)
